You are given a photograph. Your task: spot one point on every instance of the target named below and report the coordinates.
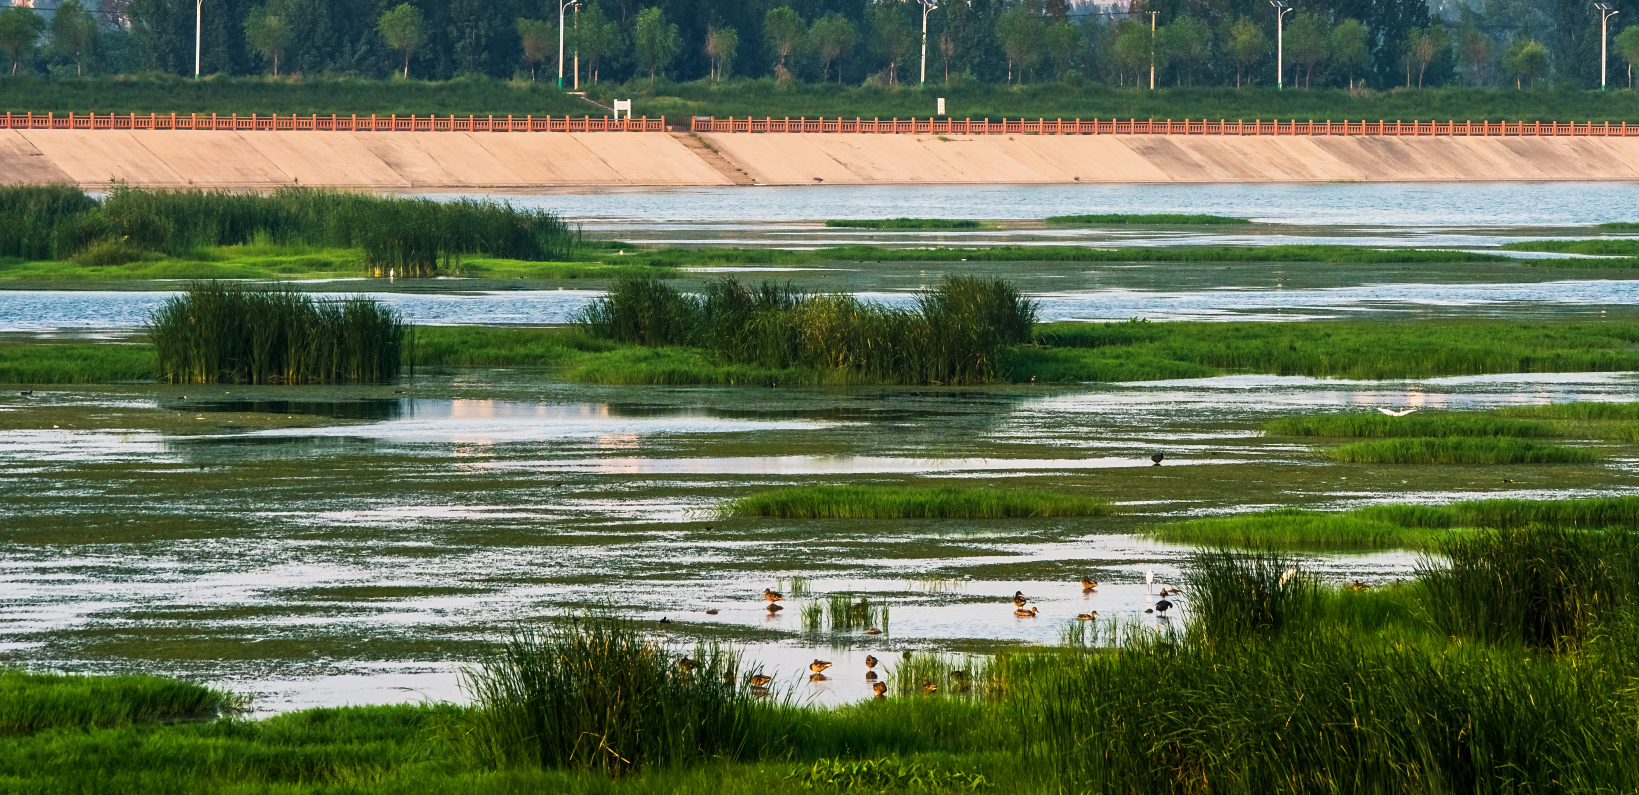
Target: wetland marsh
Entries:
(308, 546)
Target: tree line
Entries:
(1327, 43)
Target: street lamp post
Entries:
(1605, 14)
(927, 8)
(1282, 8)
(1152, 49)
(562, 5)
(198, 28)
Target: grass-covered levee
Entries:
(1508, 663)
(959, 332)
(395, 235)
(216, 333)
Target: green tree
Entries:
(1627, 45)
(267, 32)
(20, 28)
(1064, 42)
(537, 37)
(1349, 48)
(405, 30)
(1476, 50)
(1247, 45)
(721, 44)
(73, 33)
(1307, 40)
(784, 33)
(1132, 50)
(894, 35)
(594, 38)
(657, 41)
(1423, 45)
(1187, 42)
(1020, 31)
(832, 37)
(1525, 60)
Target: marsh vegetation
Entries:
(906, 502)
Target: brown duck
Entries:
(818, 666)
(1023, 613)
(773, 595)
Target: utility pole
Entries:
(1152, 49)
(563, 4)
(927, 8)
(1281, 10)
(577, 46)
(198, 28)
(1605, 14)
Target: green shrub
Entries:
(103, 253)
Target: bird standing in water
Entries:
(1163, 606)
(880, 689)
(1088, 583)
(761, 681)
(818, 666)
(772, 595)
(1157, 458)
(870, 661)
(1019, 599)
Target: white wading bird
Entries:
(1393, 413)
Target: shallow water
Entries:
(324, 545)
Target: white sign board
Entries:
(941, 106)
(623, 105)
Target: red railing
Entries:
(332, 122)
(1153, 127)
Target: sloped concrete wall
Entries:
(479, 161)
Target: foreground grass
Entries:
(1397, 526)
(281, 263)
(33, 702)
(1459, 451)
(885, 502)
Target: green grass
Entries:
(905, 223)
(1459, 451)
(1298, 529)
(1585, 410)
(34, 702)
(1154, 219)
(672, 257)
(1619, 226)
(1593, 246)
(891, 502)
(54, 362)
(1426, 424)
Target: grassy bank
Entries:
(1390, 526)
(1509, 667)
(765, 97)
(700, 257)
(35, 702)
(1483, 451)
(1426, 424)
(904, 223)
(886, 502)
(1153, 219)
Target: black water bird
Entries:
(1163, 606)
(665, 620)
(29, 393)
(1157, 458)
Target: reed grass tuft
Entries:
(1293, 528)
(904, 223)
(1459, 451)
(214, 333)
(1430, 425)
(1584, 410)
(32, 702)
(1153, 219)
(897, 502)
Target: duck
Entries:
(1088, 616)
(711, 611)
(870, 661)
(1088, 583)
(1157, 458)
(1023, 613)
(687, 664)
(1019, 598)
(881, 690)
(728, 678)
(928, 686)
(873, 631)
(773, 595)
(818, 666)
(761, 680)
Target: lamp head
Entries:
(1280, 4)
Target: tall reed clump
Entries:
(600, 695)
(1543, 587)
(958, 333)
(215, 333)
(31, 214)
(1434, 425)
(1240, 594)
(405, 236)
(1460, 451)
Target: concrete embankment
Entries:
(411, 161)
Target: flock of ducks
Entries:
(760, 682)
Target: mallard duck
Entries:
(1019, 599)
(873, 631)
(880, 689)
(1088, 616)
(818, 665)
(688, 664)
(928, 686)
(870, 661)
(1022, 613)
(761, 680)
(773, 595)
(1088, 583)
